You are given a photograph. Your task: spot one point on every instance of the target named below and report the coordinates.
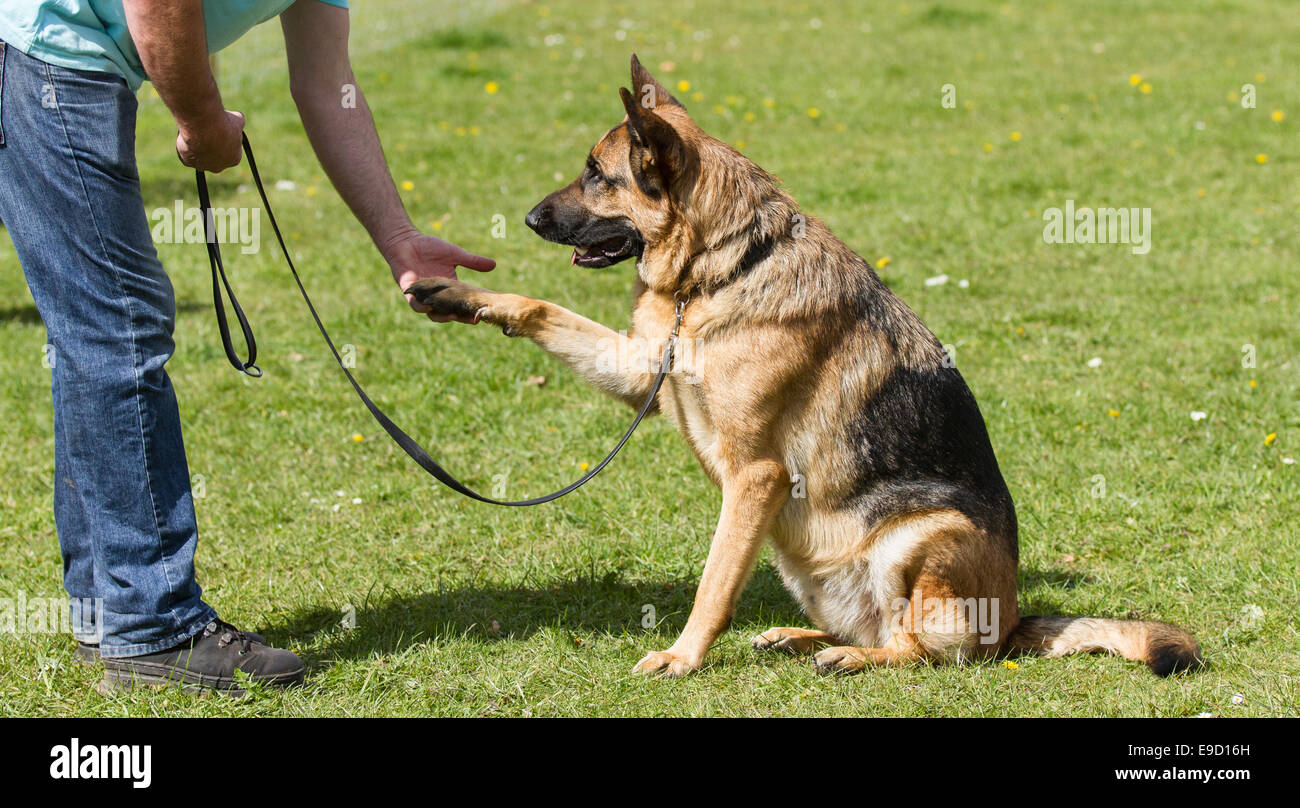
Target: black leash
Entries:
(405, 441)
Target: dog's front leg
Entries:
(751, 499)
(608, 360)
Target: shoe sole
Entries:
(117, 680)
(86, 656)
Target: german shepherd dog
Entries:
(813, 396)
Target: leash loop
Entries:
(407, 444)
(218, 281)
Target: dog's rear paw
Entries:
(796, 641)
(840, 659)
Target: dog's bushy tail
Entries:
(1165, 648)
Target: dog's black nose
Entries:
(538, 216)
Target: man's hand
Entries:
(213, 145)
(417, 257)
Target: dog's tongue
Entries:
(573, 261)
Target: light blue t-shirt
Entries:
(92, 34)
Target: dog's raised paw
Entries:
(446, 297)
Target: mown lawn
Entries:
(462, 609)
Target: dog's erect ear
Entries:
(658, 152)
(650, 93)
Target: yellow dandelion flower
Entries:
(1278, 115)
(1015, 137)
(718, 109)
(1009, 665)
(311, 190)
(683, 86)
(770, 103)
(1145, 88)
(491, 88)
(1260, 77)
(1113, 413)
(882, 262)
(697, 96)
(460, 131)
(1269, 438)
(357, 437)
(407, 185)
(437, 225)
(813, 112)
(1261, 158)
(583, 466)
(1135, 79)
(1200, 193)
(740, 145)
(988, 147)
(1020, 330)
(732, 100)
(1252, 384)
(749, 116)
(474, 130)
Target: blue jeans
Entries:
(70, 199)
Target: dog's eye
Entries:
(593, 172)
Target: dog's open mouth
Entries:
(606, 253)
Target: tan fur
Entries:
(781, 358)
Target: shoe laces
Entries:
(229, 635)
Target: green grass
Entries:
(463, 609)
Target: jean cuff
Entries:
(140, 649)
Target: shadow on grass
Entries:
(28, 315)
(609, 604)
(1054, 578)
(1041, 590)
(387, 623)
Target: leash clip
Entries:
(678, 312)
(671, 349)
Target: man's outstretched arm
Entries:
(345, 141)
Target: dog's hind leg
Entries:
(751, 498)
(945, 589)
(792, 640)
(900, 650)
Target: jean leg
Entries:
(70, 197)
